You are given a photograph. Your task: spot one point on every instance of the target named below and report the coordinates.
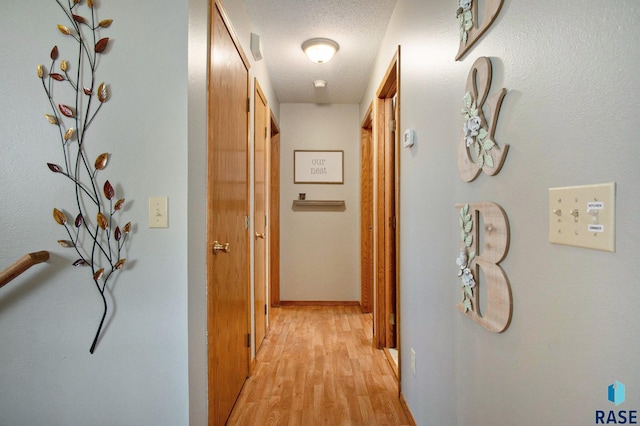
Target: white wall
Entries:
(197, 207)
(320, 249)
(571, 70)
(49, 315)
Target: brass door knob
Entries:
(260, 235)
(217, 247)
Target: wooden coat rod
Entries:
(24, 263)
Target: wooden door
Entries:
(274, 214)
(366, 213)
(260, 211)
(227, 219)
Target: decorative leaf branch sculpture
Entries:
(94, 234)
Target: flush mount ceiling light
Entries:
(320, 50)
(319, 84)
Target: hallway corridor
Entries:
(317, 367)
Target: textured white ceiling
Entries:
(356, 25)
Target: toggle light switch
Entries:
(583, 216)
(158, 212)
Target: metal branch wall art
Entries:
(94, 234)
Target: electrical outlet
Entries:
(583, 216)
(413, 361)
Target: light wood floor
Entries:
(317, 367)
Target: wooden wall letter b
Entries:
(471, 260)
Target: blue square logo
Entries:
(616, 393)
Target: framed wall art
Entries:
(318, 167)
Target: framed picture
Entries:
(318, 167)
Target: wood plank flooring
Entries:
(317, 366)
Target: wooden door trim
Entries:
(274, 212)
(397, 212)
(390, 81)
(236, 41)
(275, 127)
(367, 121)
(380, 224)
(259, 96)
(367, 268)
(259, 92)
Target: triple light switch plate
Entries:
(583, 216)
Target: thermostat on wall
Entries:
(408, 138)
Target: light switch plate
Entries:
(158, 212)
(583, 216)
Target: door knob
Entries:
(217, 247)
(260, 235)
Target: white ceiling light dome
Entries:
(320, 50)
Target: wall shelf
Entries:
(318, 203)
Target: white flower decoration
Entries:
(467, 278)
(461, 261)
(465, 19)
(475, 135)
(474, 125)
(471, 128)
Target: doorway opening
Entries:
(386, 215)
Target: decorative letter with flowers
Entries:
(94, 235)
(478, 134)
(470, 28)
(497, 315)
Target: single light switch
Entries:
(583, 216)
(158, 212)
